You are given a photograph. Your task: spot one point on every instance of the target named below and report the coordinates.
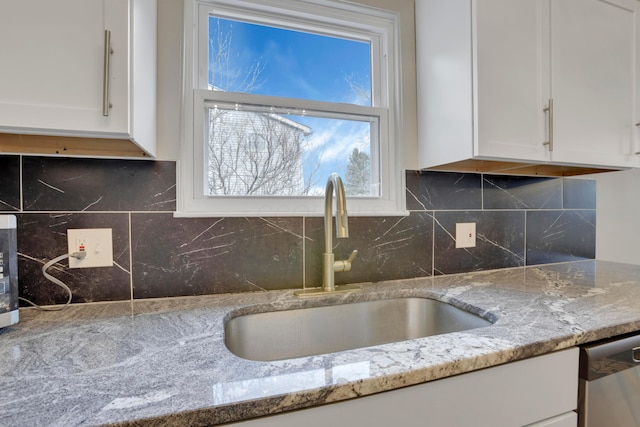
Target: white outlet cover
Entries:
(466, 235)
(96, 242)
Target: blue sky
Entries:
(308, 66)
(297, 64)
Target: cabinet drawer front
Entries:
(515, 394)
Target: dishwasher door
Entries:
(609, 390)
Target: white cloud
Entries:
(343, 143)
(331, 135)
(328, 148)
(319, 139)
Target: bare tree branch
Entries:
(224, 73)
(250, 153)
(358, 89)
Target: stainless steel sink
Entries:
(279, 335)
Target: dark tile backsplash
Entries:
(565, 235)
(521, 192)
(388, 248)
(72, 184)
(197, 256)
(519, 221)
(43, 236)
(443, 190)
(10, 183)
(579, 193)
(499, 241)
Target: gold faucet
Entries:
(329, 265)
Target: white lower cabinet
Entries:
(541, 391)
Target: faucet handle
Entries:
(345, 265)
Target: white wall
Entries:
(170, 39)
(618, 216)
(170, 17)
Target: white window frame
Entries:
(335, 17)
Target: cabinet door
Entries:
(636, 116)
(509, 59)
(592, 81)
(51, 79)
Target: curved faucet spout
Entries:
(329, 265)
(334, 183)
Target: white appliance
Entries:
(609, 392)
(8, 271)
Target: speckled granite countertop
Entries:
(164, 362)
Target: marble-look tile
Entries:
(42, 237)
(521, 192)
(220, 255)
(72, 184)
(198, 256)
(443, 190)
(9, 183)
(558, 236)
(388, 248)
(499, 243)
(579, 193)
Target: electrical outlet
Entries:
(466, 235)
(96, 242)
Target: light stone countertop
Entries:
(164, 363)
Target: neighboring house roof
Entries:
(306, 130)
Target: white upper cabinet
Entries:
(489, 70)
(508, 87)
(592, 81)
(53, 78)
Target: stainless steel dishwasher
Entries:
(609, 391)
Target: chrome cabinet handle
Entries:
(549, 109)
(106, 105)
(634, 351)
(637, 152)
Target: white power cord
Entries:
(78, 255)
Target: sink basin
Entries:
(279, 335)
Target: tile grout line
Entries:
(35, 212)
(433, 243)
(482, 191)
(525, 237)
(304, 253)
(21, 183)
(130, 261)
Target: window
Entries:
(278, 95)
